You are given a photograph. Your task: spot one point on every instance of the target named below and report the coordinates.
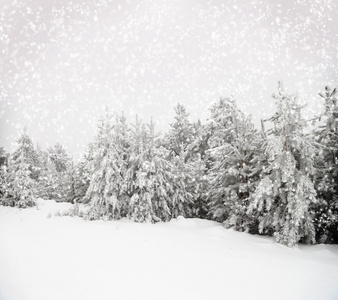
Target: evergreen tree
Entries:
(199, 187)
(148, 177)
(183, 185)
(3, 157)
(285, 191)
(20, 185)
(181, 133)
(55, 181)
(186, 165)
(107, 192)
(27, 149)
(326, 177)
(82, 176)
(230, 175)
(3, 172)
(59, 157)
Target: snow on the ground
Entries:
(44, 257)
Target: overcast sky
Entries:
(62, 62)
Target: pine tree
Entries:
(326, 177)
(107, 192)
(19, 182)
(82, 175)
(148, 177)
(181, 133)
(183, 185)
(3, 173)
(185, 164)
(286, 190)
(26, 148)
(230, 175)
(55, 180)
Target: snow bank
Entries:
(47, 257)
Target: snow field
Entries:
(70, 258)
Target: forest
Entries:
(279, 180)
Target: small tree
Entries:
(19, 182)
(82, 176)
(55, 180)
(26, 148)
(181, 133)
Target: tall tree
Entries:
(286, 190)
(148, 177)
(326, 177)
(107, 191)
(231, 173)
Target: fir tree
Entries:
(148, 177)
(230, 175)
(20, 185)
(3, 173)
(285, 191)
(55, 182)
(26, 148)
(82, 175)
(326, 177)
(107, 194)
(181, 133)
(183, 185)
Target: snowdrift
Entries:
(43, 256)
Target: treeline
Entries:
(281, 182)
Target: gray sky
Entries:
(62, 62)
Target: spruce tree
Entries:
(55, 180)
(107, 194)
(82, 176)
(230, 176)
(326, 177)
(181, 132)
(148, 177)
(19, 182)
(183, 185)
(26, 148)
(3, 173)
(285, 192)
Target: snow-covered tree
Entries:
(82, 175)
(107, 193)
(326, 177)
(284, 194)
(148, 177)
(60, 158)
(186, 165)
(26, 148)
(55, 180)
(3, 157)
(182, 183)
(3, 172)
(19, 183)
(230, 175)
(181, 133)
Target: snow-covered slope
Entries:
(70, 258)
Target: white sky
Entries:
(62, 62)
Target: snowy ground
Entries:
(69, 258)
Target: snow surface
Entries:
(44, 257)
